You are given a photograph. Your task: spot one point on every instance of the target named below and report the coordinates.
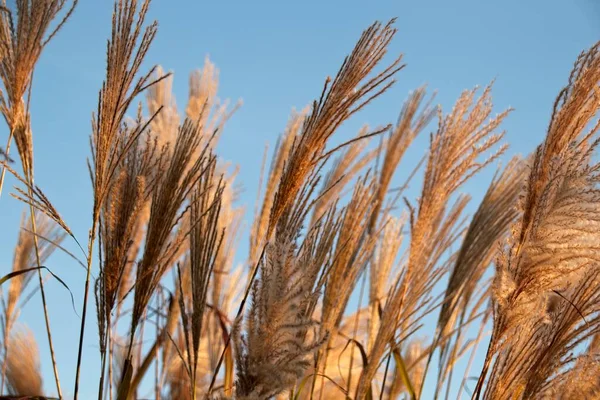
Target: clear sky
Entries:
(275, 55)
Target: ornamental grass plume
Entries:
(490, 224)
(23, 375)
(25, 30)
(462, 138)
(545, 288)
(341, 98)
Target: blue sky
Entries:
(275, 55)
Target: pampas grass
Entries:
(23, 374)
(350, 289)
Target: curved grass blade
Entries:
(14, 274)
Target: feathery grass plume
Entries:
(337, 103)
(161, 103)
(110, 144)
(580, 382)
(540, 354)
(551, 256)
(280, 157)
(135, 182)
(357, 238)
(203, 88)
(203, 105)
(120, 222)
(224, 288)
(413, 119)
(381, 271)
(410, 123)
(352, 252)
(273, 355)
(340, 100)
(23, 374)
(463, 136)
(574, 108)
(137, 241)
(270, 358)
(205, 241)
(490, 223)
(21, 46)
(173, 187)
(126, 50)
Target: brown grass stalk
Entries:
(127, 47)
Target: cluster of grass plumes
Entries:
(343, 270)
